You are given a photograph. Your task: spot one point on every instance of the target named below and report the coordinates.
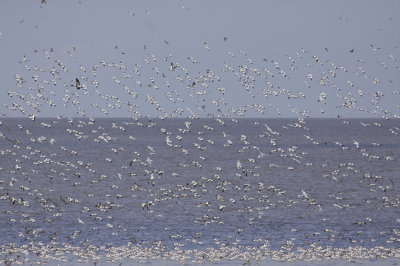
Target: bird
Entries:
(77, 84)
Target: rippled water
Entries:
(201, 183)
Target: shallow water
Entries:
(206, 183)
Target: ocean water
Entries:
(200, 183)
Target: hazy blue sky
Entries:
(261, 36)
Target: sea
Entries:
(199, 184)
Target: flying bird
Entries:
(77, 84)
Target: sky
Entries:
(200, 58)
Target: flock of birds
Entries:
(76, 180)
(167, 86)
